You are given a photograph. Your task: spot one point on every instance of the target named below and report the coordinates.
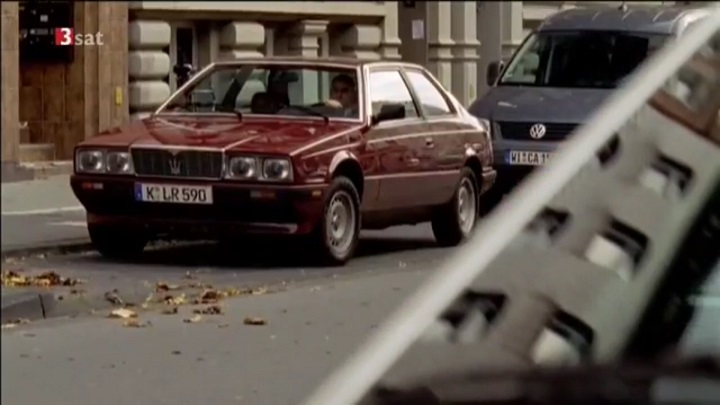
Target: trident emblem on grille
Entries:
(175, 166)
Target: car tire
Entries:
(453, 222)
(491, 199)
(115, 243)
(337, 234)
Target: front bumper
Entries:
(236, 208)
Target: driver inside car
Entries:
(343, 95)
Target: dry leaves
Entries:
(122, 313)
(164, 287)
(114, 298)
(174, 300)
(47, 279)
(211, 310)
(254, 320)
(193, 319)
(15, 322)
(169, 311)
(134, 323)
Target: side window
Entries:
(388, 87)
(433, 103)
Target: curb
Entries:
(79, 246)
(30, 305)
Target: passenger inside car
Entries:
(344, 95)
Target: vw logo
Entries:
(537, 131)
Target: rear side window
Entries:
(429, 97)
(388, 87)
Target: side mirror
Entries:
(493, 72)
(389, 112)
(183, 73)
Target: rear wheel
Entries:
(455, 221)
(117, 243)
(338, 232)
(491, 199)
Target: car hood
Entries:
(223, 133)
(537, 104)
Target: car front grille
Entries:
(179, 164)
(521, 131)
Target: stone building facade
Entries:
(48, 108)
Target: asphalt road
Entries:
(316, 316)
(218, 360)
(258, 264)
(47, 229)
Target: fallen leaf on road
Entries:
(134, 323)
(254, 320)
(163, 287)
(76, 291)
(169, 311)
(211, 310)
(15, 322)
(123, 313)
(193, 319)
(259, 291)
(172, 300)
(113, 298)
(148, 300)
(47, 279)
(208, 296)
(234, 292)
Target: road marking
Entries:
(69, 223)
(43, 211)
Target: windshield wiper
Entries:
(310, 111)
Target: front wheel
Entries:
(338, 232)
(455, 221)
(116, 243)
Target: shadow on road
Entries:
(261, 253)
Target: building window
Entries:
(183, 48)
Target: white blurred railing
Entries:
(376, 356)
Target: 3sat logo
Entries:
(68, 37)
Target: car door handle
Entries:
(429, 143)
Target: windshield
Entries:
(579, 59)
(272, 89)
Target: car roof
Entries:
(335, 61)
(655, 20)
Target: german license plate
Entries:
(173, 193)
(527, 158)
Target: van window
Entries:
(580, 59)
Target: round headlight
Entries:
(276, 169)
(242, 167)
(119, 162)
(90, 161)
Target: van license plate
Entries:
(173, 193)
(527, 158)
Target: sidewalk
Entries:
(41, 215)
